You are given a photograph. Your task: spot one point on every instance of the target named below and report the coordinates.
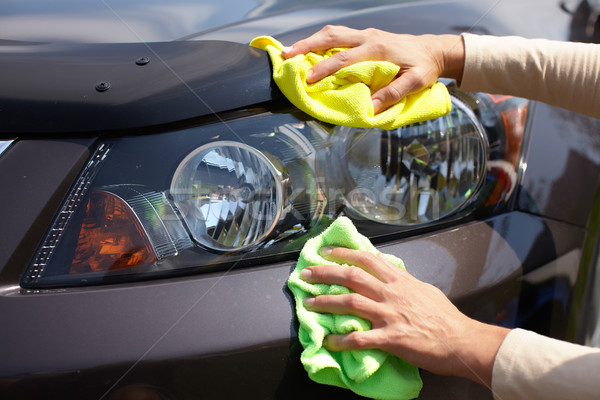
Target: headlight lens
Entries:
(255, 188)
(412, 175)
(230, 195)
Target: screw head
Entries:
(102, 86)
(142, 61)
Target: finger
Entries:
(354, 341)
(353, 278)
(336, 62)
(345, 304)
(327, 38)
(407, 83)
(379, 267)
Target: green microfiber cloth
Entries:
(371, 373)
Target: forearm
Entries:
(563, 74)
(530, 366)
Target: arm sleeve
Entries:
(563, 74)
(531, 366)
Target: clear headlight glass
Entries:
(253, 188)
(412, 175)
(230, 195)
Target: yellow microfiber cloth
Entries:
(372, 372)
(344, 98)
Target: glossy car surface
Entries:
(230, 332)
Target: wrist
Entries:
(452, 50)
(478, 350)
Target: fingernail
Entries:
(325, 251)
(309, 74)
(376, 105)
(305, 274)
(309, 301)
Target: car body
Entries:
(146, 77)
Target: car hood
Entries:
(117, 21)
(71, 66)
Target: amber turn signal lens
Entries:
(111, 237)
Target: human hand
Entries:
(410, 318)
(422, 59)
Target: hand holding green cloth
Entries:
(344, 98)
(372, 372)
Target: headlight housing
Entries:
(254, 188)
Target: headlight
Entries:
(230, 195)
(253, 189)
(412, 175)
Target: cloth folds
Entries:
(344, 98)
(371, 373)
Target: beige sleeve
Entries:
(531, 366)
(563, 74)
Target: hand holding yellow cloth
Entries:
(344, 98)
